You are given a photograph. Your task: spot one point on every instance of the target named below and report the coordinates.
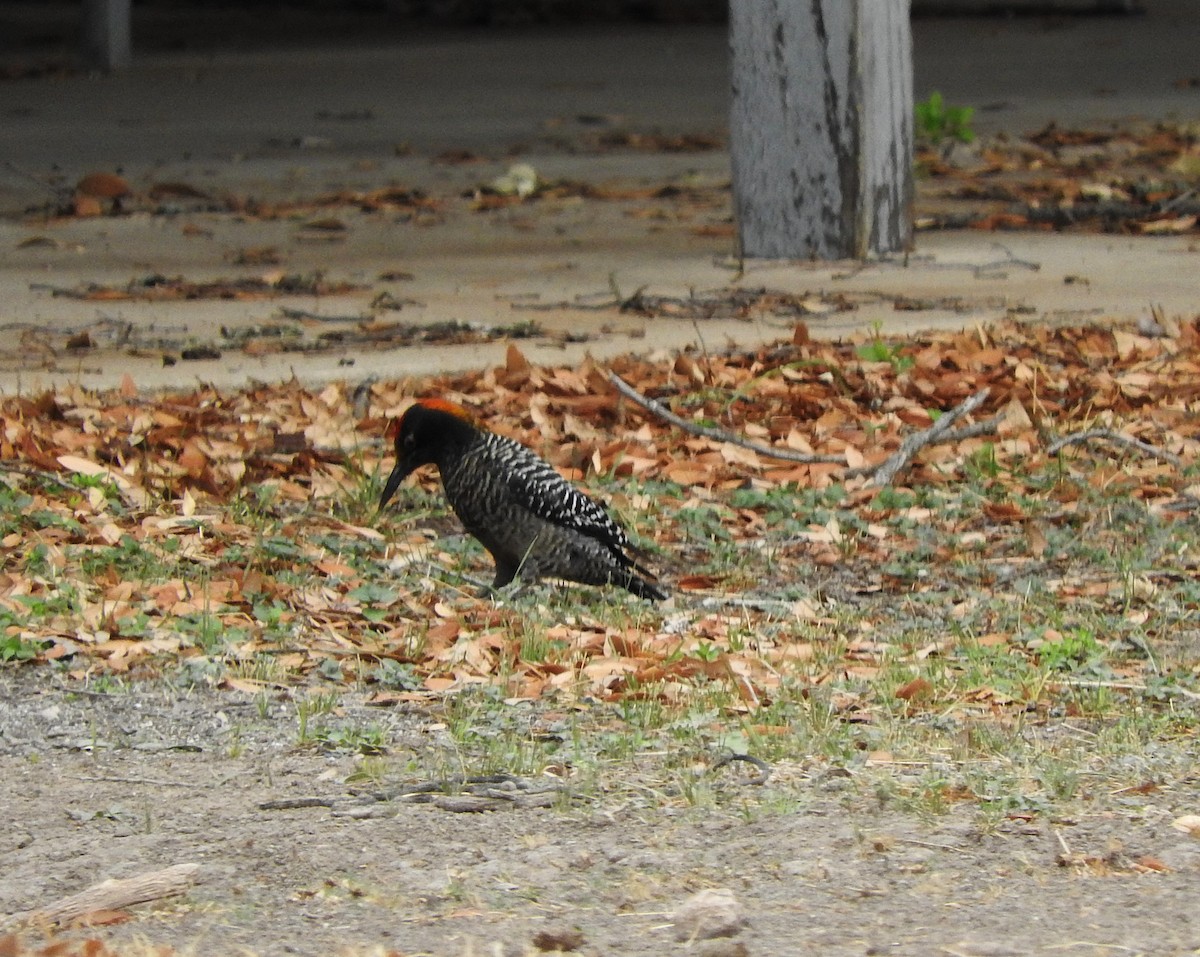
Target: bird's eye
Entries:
(409, 441)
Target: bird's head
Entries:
(426, 430)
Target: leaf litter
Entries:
(240, 526)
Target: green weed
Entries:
(936, 120)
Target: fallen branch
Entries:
(719, 435)
(972, 431)
(493, 801)
(1116, 438)
(114, 895)
(883, 472)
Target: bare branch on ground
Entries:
(719, 435)
(881, 473)
(1116, 438)
(884, 472)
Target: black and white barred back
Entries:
(538, 486)
(531, 520)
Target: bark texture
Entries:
(821, 127)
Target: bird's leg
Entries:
(527, 570)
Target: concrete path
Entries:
(367, 111)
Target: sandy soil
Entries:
(100, 786)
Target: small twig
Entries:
(1009, 260)
(16, 468)
(764, 769)
(564, 304)
(708, 369)
(912, 842)
(718, 435)
(153, 782)
(1109, 435)
(1083, 682)
(1144, 646)
(883, 472)
(307, 314)
(52, 190)
(1179, 201)
(84, 692)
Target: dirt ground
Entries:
(113, 785)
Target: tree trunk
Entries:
(821, 127)
(108, 33)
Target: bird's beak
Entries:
(399, 474)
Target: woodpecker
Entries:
(534, 523)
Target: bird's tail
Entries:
(644, 587)
(647, 585)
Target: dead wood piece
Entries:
(291, 804)
(1109, 210)
(546, 798)
(366, 812)
(717, 304)
(1116, 438)
(28, 470)
(468, 803)
(779, 606)
(443, 785)
(563, 304)
(491, 800)
(482, 792)
(114, 895)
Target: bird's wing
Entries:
(536, 485)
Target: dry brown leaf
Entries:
(103, 186)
